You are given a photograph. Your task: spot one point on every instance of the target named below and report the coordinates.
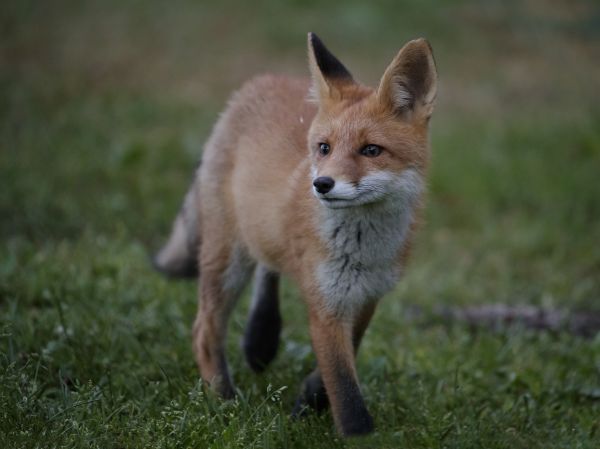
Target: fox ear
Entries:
(409, 84)
(328, 74)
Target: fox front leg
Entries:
(334, 342)
(313, 394)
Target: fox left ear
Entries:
(409, 84)
(329, 75)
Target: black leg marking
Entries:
(261, 338)
(355, 418)
(224, 386)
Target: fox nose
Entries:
(323, 184)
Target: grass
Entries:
(103, 111)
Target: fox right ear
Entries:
(328, 74)
(409, 84)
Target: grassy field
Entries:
(103, 110)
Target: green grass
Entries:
(103, 111)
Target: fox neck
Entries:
(363, 247)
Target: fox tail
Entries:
(178, 258)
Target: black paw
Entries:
(356, 422)
(313, 396)
(222, 387)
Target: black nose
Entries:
(323, 184)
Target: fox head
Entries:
(370, 145)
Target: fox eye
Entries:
(324, 149)
(371, 150)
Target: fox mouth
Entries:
(349, 199)
(337, 202)
(333, 200)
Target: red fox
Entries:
(320, 180)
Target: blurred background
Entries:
(105, 105)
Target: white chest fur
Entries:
(364, 243)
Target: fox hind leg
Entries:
(225, 272)
(261, 337)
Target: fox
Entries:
(320, 179)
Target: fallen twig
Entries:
(499, 316)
